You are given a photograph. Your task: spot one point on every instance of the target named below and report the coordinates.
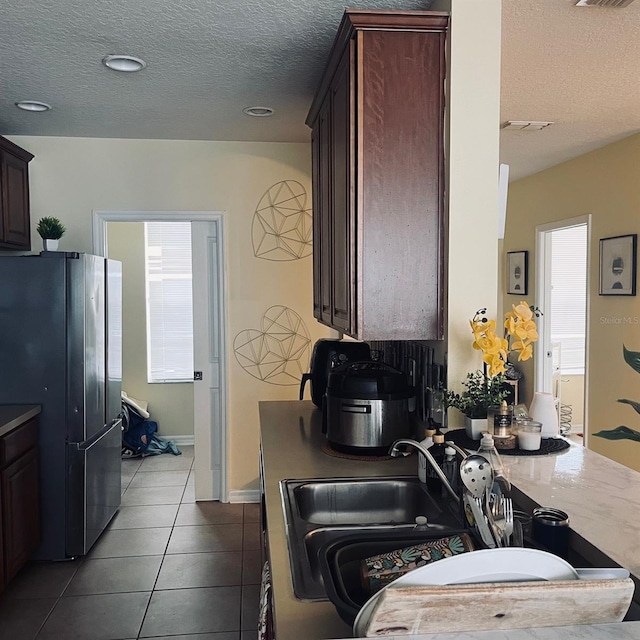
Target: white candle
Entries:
(529, 440)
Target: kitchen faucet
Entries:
(395, 452)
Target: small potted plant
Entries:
(480, 393)
(50, 230)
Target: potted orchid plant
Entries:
(485, 388)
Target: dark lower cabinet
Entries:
(19, 512)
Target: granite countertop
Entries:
(601, 497)
(13, 415)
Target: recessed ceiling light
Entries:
(33, 105)
(124, 63)
(258, 112)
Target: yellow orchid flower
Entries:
(526, 353)
(519, 325)
(523, 311)
(496, 364)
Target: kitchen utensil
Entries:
(367, 407)
(550, 528)
(326, 355)
(524, 519)
(506, 510)
(476, 474)
(518, 538)
(480, 521)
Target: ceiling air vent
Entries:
(530, 125)
(616, 4)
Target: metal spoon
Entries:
(476, 474)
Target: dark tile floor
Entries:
(165, 568)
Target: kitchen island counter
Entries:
(601, 497)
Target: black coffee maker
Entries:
(327, 354)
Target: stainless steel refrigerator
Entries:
(61, 347)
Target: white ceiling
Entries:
(208, 59)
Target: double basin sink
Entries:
(319, 511)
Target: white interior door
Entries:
(208, 359)
(562, 293)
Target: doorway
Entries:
(209, 357)
(562, 286)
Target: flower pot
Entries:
(49, 244)
(474, 427)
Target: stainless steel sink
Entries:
(317, 511)
(363, 502)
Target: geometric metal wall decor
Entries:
(282, 223)
(278, 353)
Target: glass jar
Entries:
(499, 420)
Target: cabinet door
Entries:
(15, 202)
(401, 185)
(341, 231)
(321, 156)
(20, 511)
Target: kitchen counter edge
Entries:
(13, 415)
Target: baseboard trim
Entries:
(185, 441)
(244, 495)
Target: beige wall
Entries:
(473, 160)
(70, 177)
(603, 183)
(170, 405)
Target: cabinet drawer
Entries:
(18, 442)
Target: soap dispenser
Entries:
(434, 484)
(422, 461)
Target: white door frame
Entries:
(543, 300)
(100, 220)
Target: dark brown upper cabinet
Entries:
(377, 124)
(15, 225)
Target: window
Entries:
(169, 301)
(569, 296)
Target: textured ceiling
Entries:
(208, 59)
(577, 67)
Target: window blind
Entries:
(169, 302)
(569, 296)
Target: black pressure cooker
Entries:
(367, 407)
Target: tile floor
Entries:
(165, 568)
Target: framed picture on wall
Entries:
(618, 265)
(517, 273)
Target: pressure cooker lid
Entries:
(369, 380)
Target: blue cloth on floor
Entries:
(139, 437)
(159, 445)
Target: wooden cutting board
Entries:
(510, 605)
